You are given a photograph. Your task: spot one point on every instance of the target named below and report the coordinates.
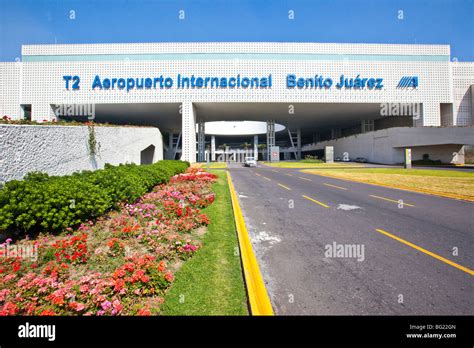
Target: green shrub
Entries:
(52, 203)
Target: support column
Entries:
(170, 151)
(270, 138)
(201, 141)
(188, 116)
(255, 147)
(298, 144)
(213, 148)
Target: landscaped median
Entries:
(446, 183)
(126, 260)
(212, 283)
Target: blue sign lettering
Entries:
(241, 82)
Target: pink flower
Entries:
(80, 307)
(4, 293)
(106, 305)
(9, 277)
(169, 276)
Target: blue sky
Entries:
(366, 21)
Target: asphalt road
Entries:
(377, 272)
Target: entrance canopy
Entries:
(309, 117)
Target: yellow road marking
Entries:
(257, 293)
(285, 187)
(315, 201)
(257, 174)
(338, 187)
(304, 178)
(288, 174)
(436, 256)
(267, 178)
(392, 200)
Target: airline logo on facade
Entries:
(408, 82)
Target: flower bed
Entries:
(120, 265)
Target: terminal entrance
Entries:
(221, 131)
(292, 130)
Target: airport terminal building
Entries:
(365, 100)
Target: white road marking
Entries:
(348, 207)
(266, 237)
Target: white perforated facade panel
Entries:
(233, 47)
(10, 89)
(463, 79)
(38, 80)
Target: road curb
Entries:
(403, 188)
(256, 290)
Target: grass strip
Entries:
(211, 283)
(216, 165)
(301, 164)
(448, 182)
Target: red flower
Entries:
(144, 311)
(73, 249)
(16, 266)
(138, 275)
(9, 309)
(119, 273)
(161, 266)
(57, 299)
(119, 285)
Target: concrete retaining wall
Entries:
(61, 150)
(386, 146)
